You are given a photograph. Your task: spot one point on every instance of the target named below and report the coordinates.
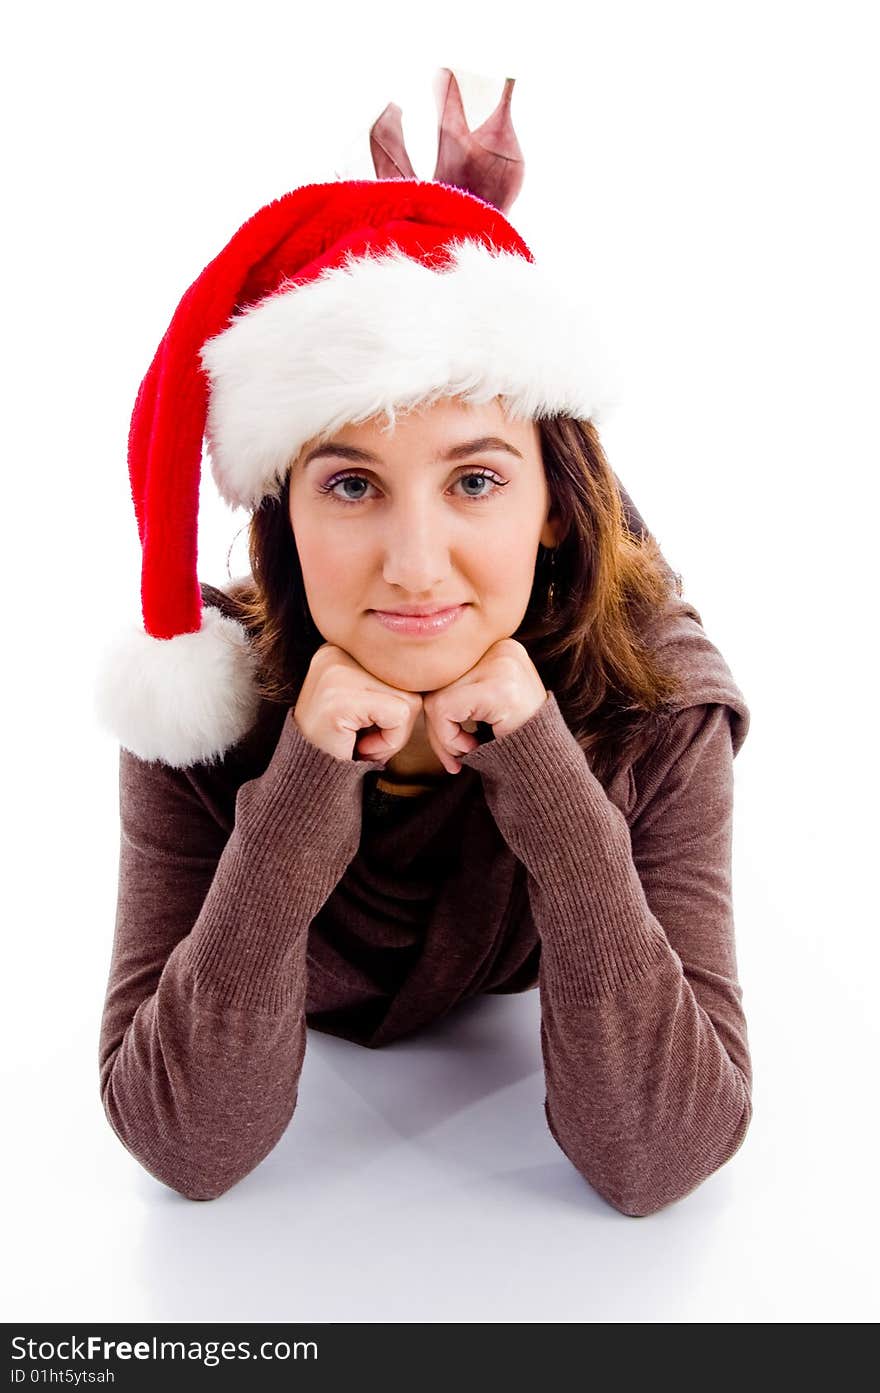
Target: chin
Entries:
(417, 673)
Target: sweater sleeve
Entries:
(203, 1029)
(644, 1040)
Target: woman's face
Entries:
(421, 516)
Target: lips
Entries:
(434, 622)
(416, 613)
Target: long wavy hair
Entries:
(586, 636)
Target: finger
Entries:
(448, 722)
(454, 742)
(391, 720)
(449, 762)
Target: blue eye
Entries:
(350, 479)
(353, 477)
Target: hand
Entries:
(503, 689)
(339, 697)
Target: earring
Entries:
(551, 587)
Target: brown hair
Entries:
(610, 580)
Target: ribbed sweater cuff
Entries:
(598, 933)
(297, 827)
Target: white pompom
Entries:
(183, 700)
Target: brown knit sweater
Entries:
(285, 887)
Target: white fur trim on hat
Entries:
(182, 700)
(384, 331)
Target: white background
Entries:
(712, 169)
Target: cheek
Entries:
(316, 543)
(333, 578)
(320, 569)
(502, 559)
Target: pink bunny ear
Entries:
(390, 159)
(487, 162)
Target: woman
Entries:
(338, 814)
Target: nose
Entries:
(416, 550)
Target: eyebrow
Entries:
(462, 451)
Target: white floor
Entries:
(420, 1183)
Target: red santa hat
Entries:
(332, 304)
